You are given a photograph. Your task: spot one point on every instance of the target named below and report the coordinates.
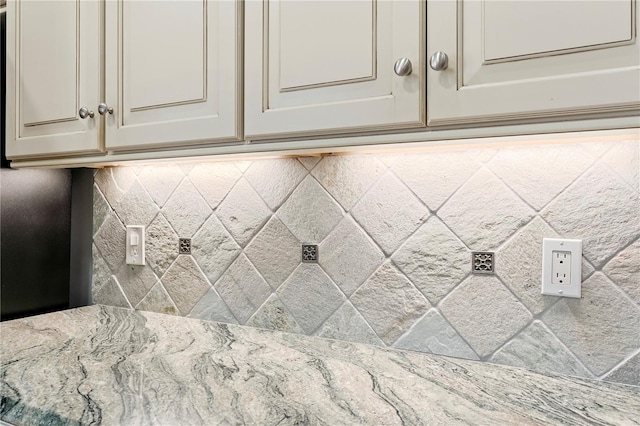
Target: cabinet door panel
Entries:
(322, 67)
(530, 59)
(172, 73)
(52, 71)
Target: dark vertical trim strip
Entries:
(81, 236)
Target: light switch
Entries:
(135, 245)
(562, 267)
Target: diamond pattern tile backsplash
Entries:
(394, 234)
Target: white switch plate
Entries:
(135, 245)
(562, 267)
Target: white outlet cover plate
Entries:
(135, 245)
(573, 288)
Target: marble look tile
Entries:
(136, 281)
(161, 245)
(538, 173)
(310, 213)
(114, 182)
(310, 296)
(628, 373)
(273, 315)
(275, 252)
(484, 212)
(538, 349)
(485, 313)
(158, 300)
(618, 321)
(390, 212)
(110, 240)
(186, 211)
(624, 270)
(433, 334)
(243, 165)
(161, 181)
(214, 249)
(310, 161)
(624, 158)
(101, 272)
(348, 177)
(100, 209)
(214, 180)
(389, 303)
(434, 259)
(349, 256)
(136, 207)
(275, 179)
(435, 176)
(185, 283)
(347, 324)
(600, 209)
(111, 294)
(211, 307)
(243, 212)
(519, 262)
(242, 288)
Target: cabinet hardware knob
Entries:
(104, 108)
(84, 113)
(439, 61)
(402, 67)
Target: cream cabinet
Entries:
(156, 74)
(519, 60)
(329, 67)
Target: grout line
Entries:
(619, 365)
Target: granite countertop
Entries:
(105, 365)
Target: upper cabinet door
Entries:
(173, 73)
(327, 67)
(53, 71)
(530, 59)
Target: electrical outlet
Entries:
(135, 245)
(562, 267)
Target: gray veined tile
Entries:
(275, 179)
(389, 303)
(519, 262)
(536, 348)
(310, 213)
(624, 270)
(273, 315)
(111, 294)
(158, 300)
(349, 256)
(348, 177)
(101, 272)
(433, 334)
(435, 176)
(275, 252)
(214, 249)
(161, 181)
(539, 173)
(434, 259)
(243, 212)
(310, 162)
(212, 308)
(136, 207)
(628, 373)
(485, 313)
(242, 288)
(310, 296)
(100, 209)
(114, 182)
(185, 283)
(484, 212)
(617, 333)
(214, 180)
(186, 211)
(110, 241)
(600, 209)
(347, 324)
(161, 245)
(136, 281)
(390, 213)
(624, 158)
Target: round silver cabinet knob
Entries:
(402, 67)
(104, 108)
(439, 61)
(84, 113)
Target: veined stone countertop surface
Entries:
(111, 366)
